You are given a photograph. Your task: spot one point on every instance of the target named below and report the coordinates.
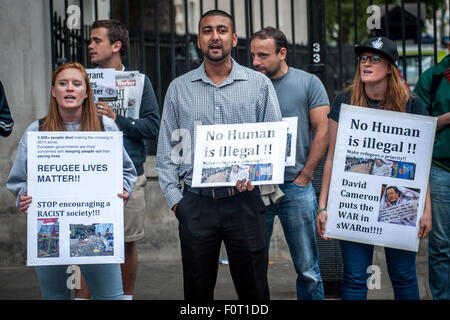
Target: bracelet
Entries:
(321, 210)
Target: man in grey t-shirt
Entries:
(301, 95)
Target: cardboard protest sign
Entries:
(380, 177)
(130, 85)
(103, 84)
(76, 216)
(231, 152)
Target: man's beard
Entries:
(270, 73)
(216, 58)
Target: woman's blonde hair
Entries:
(397, 95)
(89, 118)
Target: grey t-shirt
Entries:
(298, 92)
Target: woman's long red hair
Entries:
(397, 95)
(89, 118)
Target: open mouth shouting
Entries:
(215, 47)
(70, 98)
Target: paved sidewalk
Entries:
(155, 281)
(164, 281)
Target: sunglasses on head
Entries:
(375, 59)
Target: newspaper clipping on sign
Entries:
(231, 152)
(129, 85)
(380, 177)
(103, 84)
(76, 216)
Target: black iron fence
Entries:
(334, 28)
(164, 55)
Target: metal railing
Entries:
(166, 55)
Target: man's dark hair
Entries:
(116, 32)
(271, 32)
(217, 12)
(395, 189)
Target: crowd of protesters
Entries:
(221, 91)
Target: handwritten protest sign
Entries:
(76, 216)
(380, 177)
(103, 84)
(231, 152)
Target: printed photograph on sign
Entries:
(380, 167)
(288, 143)
(260, 172)
(252, 172)
(398, 205)
(48, 238)
(291, 140)
(359, 165)
(403, 170)
(91, 240)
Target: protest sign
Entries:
(380, 177)
(291, 140)
(130, 85)
(103, 84)
(76, 216)
(231, 152)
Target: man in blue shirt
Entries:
(220, 91)
(300, 95)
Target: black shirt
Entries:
(416, 105)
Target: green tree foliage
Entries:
(348, 17)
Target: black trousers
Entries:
(238, 221)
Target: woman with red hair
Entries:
(71, 108)
(377, 84)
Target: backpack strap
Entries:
(408, 105)
(435, 82)
(41, 122)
